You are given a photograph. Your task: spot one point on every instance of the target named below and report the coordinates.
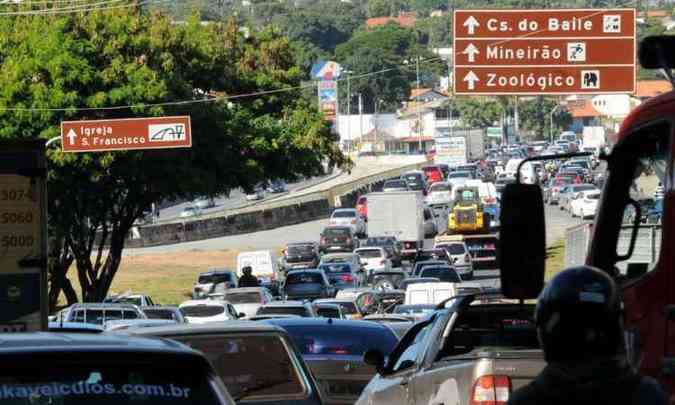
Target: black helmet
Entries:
(578, 316)
(246, 270)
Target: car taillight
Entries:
(323, 240)
(491, 390)
(347, 278)
(348, 240)
(467, 257)
(353, 221)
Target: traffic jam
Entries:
(436, 286)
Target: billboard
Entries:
(325, 70)
(451, 150)
(328, 99)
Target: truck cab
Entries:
(467, 214)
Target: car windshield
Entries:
(439, 187)
(336, 268)
(242, 297)
(304, 278)
(454, 248)
(283, 310)
(263, 364)
(456, 175)
(369, 253)
(395, 184)
(153, 313)
(344, 214)
(214, 278)
(300, 250)
(64, 382)
(202, 311)
(594, 196)
(337, 232)
(341, 341)
(347, 307)
(445, 274)
(126, 300)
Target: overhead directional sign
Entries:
(534, 52)
(126, 134)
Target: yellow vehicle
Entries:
(467, 214)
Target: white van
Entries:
(429, 293)
(263, 263)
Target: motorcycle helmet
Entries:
(578, 316)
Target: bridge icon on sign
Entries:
(166, 132)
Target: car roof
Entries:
(337, 255)
(288, 303)
(216, 270)
(103, 305)
(245, 289)
(345, 209)
(51, 342)
(161, 307)
(212, 303)
(206, 328)
(286, 322)
(305, 271)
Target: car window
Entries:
(214, 278)
(78, 315)
(344, 214)
(348, 308)
(112, 314)
(336, 268)
(427, 214)
(65, 382)
(440, 187)
(130, 315)
(454, 248)
(160, 314)
(369, 253)
(283, 310)
(300, 250)
(201, 311)
(445, 274)
(413, 340)
(263, 364)
(328, 312)
(347, 341)
(333, 232)
(302, 278)
(242, 297)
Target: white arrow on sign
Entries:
(471, 51)
(471, 24)
(71, 135)
(471, 79)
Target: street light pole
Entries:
(419, 113)
(349, 110)
(550, 129)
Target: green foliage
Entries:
(126, 57)
(478, 113)
(535, 115)
(386, 8)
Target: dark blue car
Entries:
(333, 349)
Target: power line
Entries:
(81, 8)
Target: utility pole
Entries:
(361, 116)
(419, 112)
(349, 111)
(516, 124)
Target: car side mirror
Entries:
(522, 224)
(241, 315)
(375, 358)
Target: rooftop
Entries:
(652, 88)
(404, 20)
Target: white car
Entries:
(204, 311)
(190, 212)
(374, 259)
(461, 259)
(204, 203)
(258, 193)
(348, 217)
(585, 204)
(439, 193)
(247, 300)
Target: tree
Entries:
(478, 113)
(535, 115)
(386, 8)
(57, 64)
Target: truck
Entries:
(475, 349)
(460, 147)
(467, 214)
(642, 155)
(593, 139)
(399, 214)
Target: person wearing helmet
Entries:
(248, 279)
(580, 328)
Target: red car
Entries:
(362, 206)
(433, 174)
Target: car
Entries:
(585, 204)
(459, 178)
(348, 307)
(390, 244)
(415, 312)
(277, 186)
(258, 193)
(247, 300)
(140, 300)
(365, 298)
(433, 174)
(204, 203)
(404, 284)
(552, 189)
(329, 311)
(439, 193)
(128, 324)
(334, 348)
(352, 258)
(99, 313)
(349, 217)
(419, 265)
(387, 279)
(212, 280)
(446, 273)
(430, 224)
(300, 255)
(300, 308)
(433, 254)
(460, 257)
(191, 212)
(343, 275)
(374, 259)
(394, 186)
(307, 285)
(338, 239)
(256, 361)
(415, 180)
(362, 207)
(79, 368)
(204, 311)
(569, 192)
(268, 316)
(164, 312)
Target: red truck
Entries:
(643, 156)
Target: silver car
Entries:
(461, 258)
(348, 217)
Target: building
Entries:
(583, 113)
(646, 89)
(407, 20)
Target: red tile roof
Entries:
(418, 92)
(652, 88)
(404, 20)
(582, 108)
(410, 139)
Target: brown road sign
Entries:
(126, 134)
(538, 52)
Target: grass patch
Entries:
(555, 259)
